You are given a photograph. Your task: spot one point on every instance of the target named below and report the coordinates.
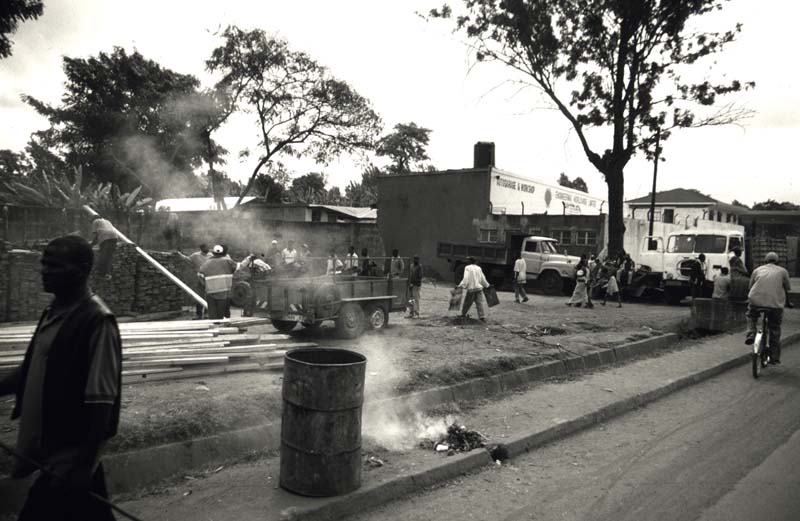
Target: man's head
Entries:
(66, 264)
(218, 251)
(724, 270)
(351, 249)
(364, 252)
(702, 257)
(737, 251)
(395, 253)
(470, 260)
(290, 244)
(332, 252)
(274, 242)
(416, 259)
(203, 249)
(771, 257)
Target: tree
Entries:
(769, 204)
(405, 147)
(308, 188)
(301, 108)
(364, 193)
(13, 164)
(12, 12)
(612, 65)
(577, 184)
(737, 203)
(118, 119)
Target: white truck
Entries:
(554, 271)
(673, 260)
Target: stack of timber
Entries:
(167, 350)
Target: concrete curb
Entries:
(374, 495)
(128, 471)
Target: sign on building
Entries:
(515, 195)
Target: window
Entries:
(548, 247)
(719, 216)
(680, 244)
(563, 236)
(586, 238)
(316, 215)
(531, 247)
(711, 215)
(487, 235)
(734, 242)
(697, 244)
(657, 217)
(669, 216)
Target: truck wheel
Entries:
(552, 283)
(284, 326)
(673, 297)
(377, 317)
(350, 322)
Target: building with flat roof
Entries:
(684, 206)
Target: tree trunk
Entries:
(616, 211)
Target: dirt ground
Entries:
(410, 354)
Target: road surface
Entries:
(727, 449)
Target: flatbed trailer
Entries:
(355, 303)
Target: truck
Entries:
(355, 303)
(670, 263)
(554, 271)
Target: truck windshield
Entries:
(548, 247)
(697, 244)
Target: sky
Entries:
(414, 70)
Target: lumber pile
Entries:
(177, 349)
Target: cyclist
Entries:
(769, 288)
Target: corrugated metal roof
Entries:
(355, 212)
(196, 204)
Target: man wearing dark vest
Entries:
(67, 390)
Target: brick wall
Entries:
(135, 285)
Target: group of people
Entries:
(594, 276)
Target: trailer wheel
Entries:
(284, 326)
(241, 294)
(377, 317)
(350, 323)
(552, 283)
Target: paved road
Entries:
(727, 449)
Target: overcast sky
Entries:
(412, 70)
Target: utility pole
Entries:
(650, 243)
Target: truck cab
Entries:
(674, 258)
(543, 261)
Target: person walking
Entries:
(474, 282)
(415, 286)
(580, 295)
(520, 278)
(217, 273)
(105, 236)
(67, 391)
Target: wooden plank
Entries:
(134, 372)
(175, 362)
(193, 373)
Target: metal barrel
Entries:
(323, 391)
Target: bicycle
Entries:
(761, 347)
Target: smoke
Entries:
(143, 160)
(392, 425)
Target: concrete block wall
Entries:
(135, 285)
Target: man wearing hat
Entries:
(217, 273)
(67, 390)
(769, 291)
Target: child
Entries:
(612, 288)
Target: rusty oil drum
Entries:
(323, 390)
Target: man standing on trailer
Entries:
(67, 390)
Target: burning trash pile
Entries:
(457, 439)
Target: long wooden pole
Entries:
(189, 291)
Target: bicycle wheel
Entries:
(758, 345)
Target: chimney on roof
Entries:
(483, 154)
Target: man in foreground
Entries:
(769, 288)
(67, 391)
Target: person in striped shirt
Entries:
(217, 273)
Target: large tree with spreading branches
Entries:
(300, 108)
(623, 67)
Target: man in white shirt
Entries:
(520, 278)
(351, 261)
(290, 257)
(474, 282)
